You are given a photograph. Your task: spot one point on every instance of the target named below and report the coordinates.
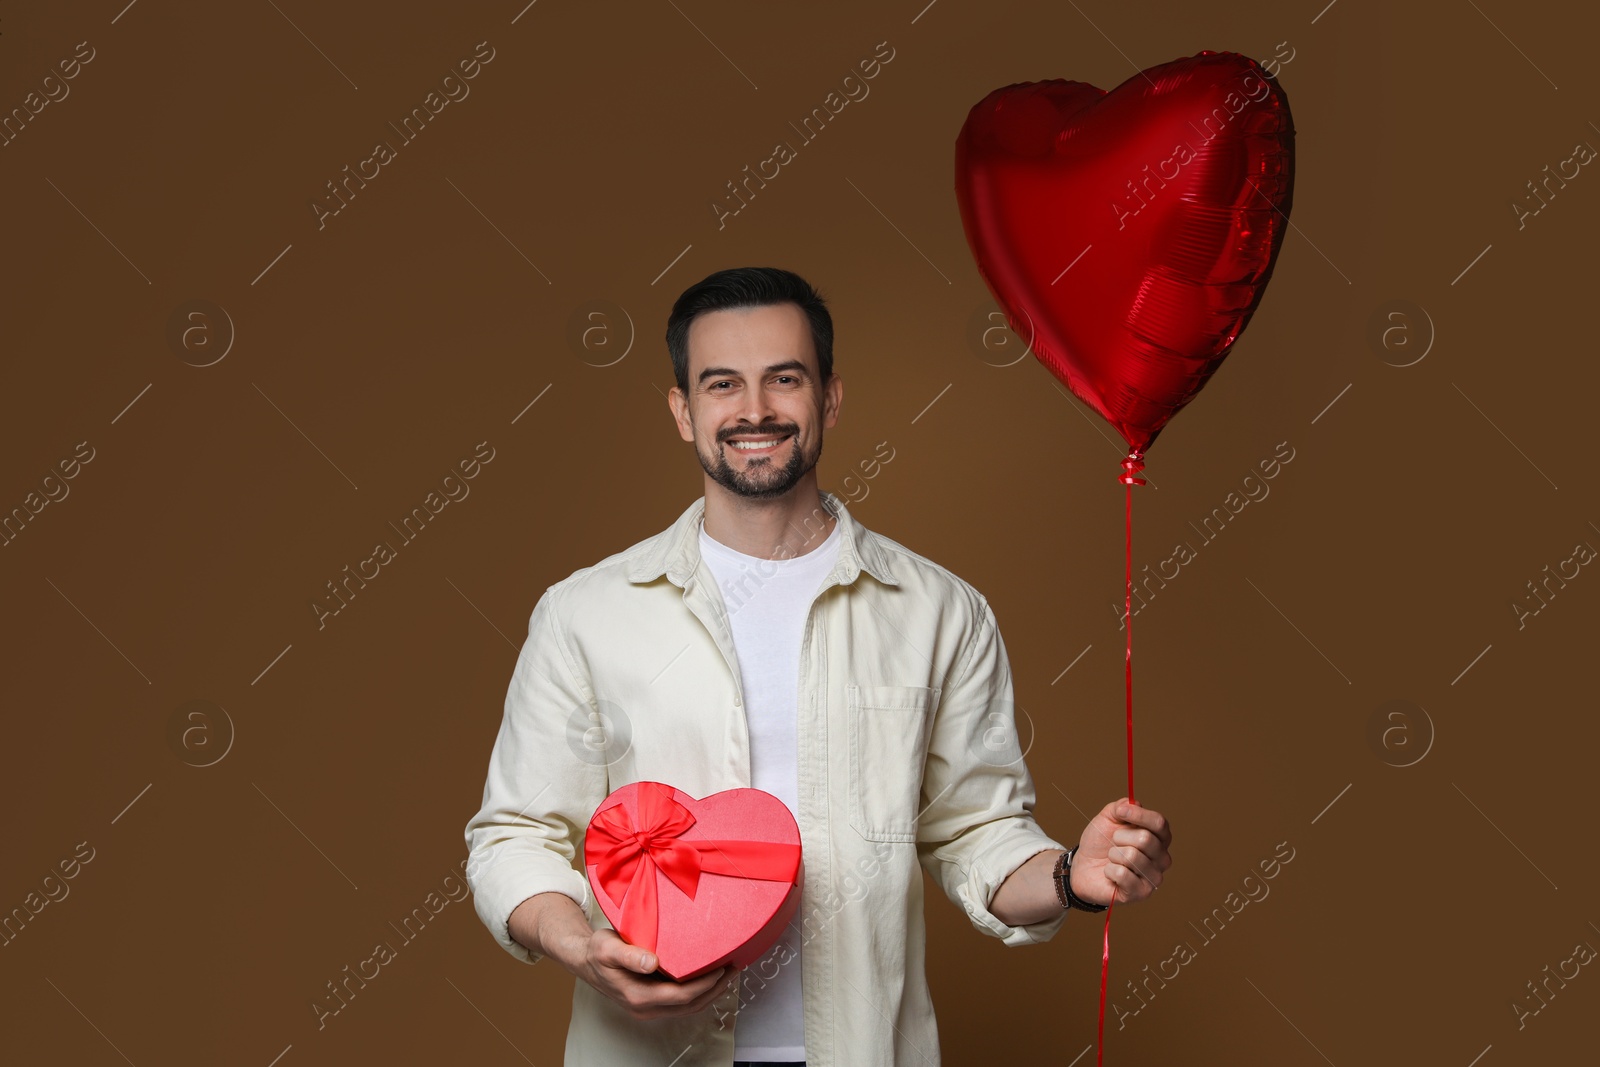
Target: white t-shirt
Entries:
(768, 601)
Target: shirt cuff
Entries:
(502, 884)
(983, 881)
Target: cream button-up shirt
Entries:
(908, 762)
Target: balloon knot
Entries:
(1131, 466)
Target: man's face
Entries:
(753, 378)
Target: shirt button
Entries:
(737, 703)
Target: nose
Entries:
(758, 407)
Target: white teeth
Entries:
(748, 445)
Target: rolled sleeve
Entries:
(540, 791)
(977, 825)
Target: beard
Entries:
(760, 478)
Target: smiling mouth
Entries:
(756, 445)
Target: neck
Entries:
(774, 528)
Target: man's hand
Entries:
(615, 968)
(1122, 854)
(552, 924)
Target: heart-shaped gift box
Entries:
(701, 882)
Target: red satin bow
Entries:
(627, 855)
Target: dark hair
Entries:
(746, 287)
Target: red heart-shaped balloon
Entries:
(701, 882)
(1128, 235)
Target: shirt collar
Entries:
(676, 551)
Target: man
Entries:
(767, 639)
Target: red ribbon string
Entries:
(628, 853)
(1131, 466)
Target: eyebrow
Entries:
(793, 365)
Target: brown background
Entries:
(374, 353)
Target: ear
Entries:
(680, 413)
(832, 397)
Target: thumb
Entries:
(611, 951)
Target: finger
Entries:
(1147, 845)
(1137, 864)
(649, 999)
(706, 999)
(612, 951)
(1150, 820)
(681, 993)
(1138, 837)
(1119, 877)
(696, 996)
(1128, 861)
(1130, 884)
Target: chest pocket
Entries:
(889, 727)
